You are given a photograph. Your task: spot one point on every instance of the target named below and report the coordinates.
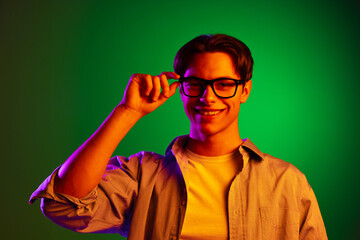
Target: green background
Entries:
(64, 66)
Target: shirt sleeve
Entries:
(311, 222)
(107, 208)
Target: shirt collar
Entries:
(247, 145)
(254, 152)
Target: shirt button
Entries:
(236, 212)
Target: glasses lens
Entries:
(193, 87)
(225, 87)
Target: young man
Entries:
(210, 184)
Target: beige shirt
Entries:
(145, 197)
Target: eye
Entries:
(193, 83)
(224, 84)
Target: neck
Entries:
(214, 145)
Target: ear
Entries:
(246, 91)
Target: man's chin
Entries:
(206, 130)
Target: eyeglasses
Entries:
(222, 87)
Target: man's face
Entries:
(209, 114)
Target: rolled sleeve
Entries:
(46, 190)
(107, 208)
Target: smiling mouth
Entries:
(208, 112)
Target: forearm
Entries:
(83, 170)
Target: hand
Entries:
(143, 93)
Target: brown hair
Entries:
(238, 51)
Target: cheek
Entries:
(188, 104)
(234, 106)
(183, 98)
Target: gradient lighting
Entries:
(64, 67)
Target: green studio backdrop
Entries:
(64, 66)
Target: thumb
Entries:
(173, 87)
(172, 91)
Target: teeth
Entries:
(209, 113)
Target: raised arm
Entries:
(83, 170)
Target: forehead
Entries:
(211, 65)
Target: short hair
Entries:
(238, 51)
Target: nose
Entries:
(208, 95)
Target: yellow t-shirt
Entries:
(208, 181)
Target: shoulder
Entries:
(274, 169)
(142, 162)
(134, 165)
(280, 167)
(135, 159)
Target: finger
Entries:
(164, 85)
(149, 84)
(171, 75)
(156, 88)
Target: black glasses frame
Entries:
(211, 83)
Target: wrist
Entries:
(130, 113)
